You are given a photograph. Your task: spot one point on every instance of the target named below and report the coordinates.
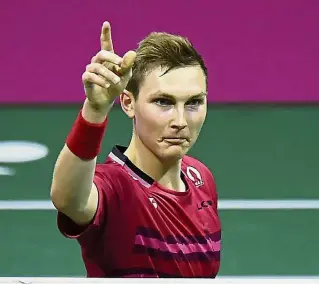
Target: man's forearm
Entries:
(73, 176)
(72, 181)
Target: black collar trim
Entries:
(117, 155)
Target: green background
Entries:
(254, 151)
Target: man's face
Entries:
(170, 111)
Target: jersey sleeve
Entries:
(212, 186)
(105, 187)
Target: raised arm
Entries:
(73, 191)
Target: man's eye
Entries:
(163, 102)
(195, 102)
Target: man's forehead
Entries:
(179, 81)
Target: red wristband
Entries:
(85, 138)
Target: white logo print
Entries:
(195, 176)
(153, 201)
(133, 177)
(19, 152)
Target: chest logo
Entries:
(205, 204)
(195, 176)
(153, 201)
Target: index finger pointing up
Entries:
(106, 38)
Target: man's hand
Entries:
(107, 75)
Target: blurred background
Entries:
(261, 137)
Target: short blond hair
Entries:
(164, 50)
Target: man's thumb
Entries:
(128, 60)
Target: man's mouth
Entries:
(175, 140)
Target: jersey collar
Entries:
(117, 155)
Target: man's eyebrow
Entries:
(202, 94)
(169, 96)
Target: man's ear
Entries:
(127, 101)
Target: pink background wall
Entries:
(256, 51)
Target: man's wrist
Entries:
(85, 138)
(93, 114)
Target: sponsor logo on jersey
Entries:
(153, 201)
(195, 176)
(205, 204)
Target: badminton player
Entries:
(149, 210)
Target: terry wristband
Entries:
(85, 138)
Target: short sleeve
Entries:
(70, 229)
(212, 186)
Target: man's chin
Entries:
(173, 153)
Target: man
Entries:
(149, 210)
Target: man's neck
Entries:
(166, 174)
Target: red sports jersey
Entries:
(142, 229)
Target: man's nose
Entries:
(179, 122)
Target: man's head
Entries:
(166, 95)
